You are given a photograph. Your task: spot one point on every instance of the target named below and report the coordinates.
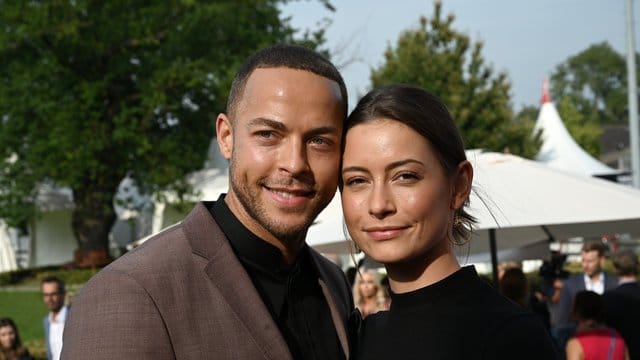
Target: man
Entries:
(53, 295)
(235, 279)
(621, 304)
(592, 278)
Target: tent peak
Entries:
(546, 98)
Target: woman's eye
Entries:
(354, 181)
(408, 176)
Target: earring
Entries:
(356, 247)
(457, 220)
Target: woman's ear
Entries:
(462, 184)
(224, 135)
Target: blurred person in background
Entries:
(592, 278)
(10, 344)
(593, 339)
(622, 304)
(53, 295)
(515, 286)
(368, 294)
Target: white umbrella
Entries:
(527, 201)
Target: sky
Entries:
(527, 39)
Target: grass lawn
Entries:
(27, 310)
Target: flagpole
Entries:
(632, 84)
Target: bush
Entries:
(35, 275)
(70, 277)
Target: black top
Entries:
(459, 317)
(622, 312)
(291, 292)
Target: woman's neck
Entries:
(412, 275)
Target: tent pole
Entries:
(494, 256)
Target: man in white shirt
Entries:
(53, 295)
(593, 279)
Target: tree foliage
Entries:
(595, 80)
(590, 89)
(444, 61)
(93, 91)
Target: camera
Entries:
(553, 269)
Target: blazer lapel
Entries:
(338, 312)
(230, 278)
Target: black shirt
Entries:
(291, 292)
(459, 317)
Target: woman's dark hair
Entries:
(425, 113)
(514, 285)
(588, 305)
(17, 344)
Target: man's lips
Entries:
(290, 192)
(290, 197)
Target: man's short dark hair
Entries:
(288, 56)
(626, 263)
(595, 246)
(54, 279)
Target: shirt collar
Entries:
(588, 280)
(246, 244)
(61, 317)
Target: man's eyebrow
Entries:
(260, 121)
(323, 130)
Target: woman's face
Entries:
(397, 200)
(7, 336)
(367, 285)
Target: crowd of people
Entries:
(590, 315)
(235, 279)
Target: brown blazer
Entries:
(183, 294)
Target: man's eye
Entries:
(265, 134)
(320, 141)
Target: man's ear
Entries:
(224, 135)
(462, 184)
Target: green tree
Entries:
(438, 58)
(591, 91)
(93, 91)
(596, 81)
(584, 131)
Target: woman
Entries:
(593, 340)
(10, 343)
(368, 294)
(405, 181)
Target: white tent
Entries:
(559, 150)
(7, 255)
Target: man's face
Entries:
(591, 263)
(53, 298)
(283, 143)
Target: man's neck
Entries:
(55, 313)
(595, 278)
